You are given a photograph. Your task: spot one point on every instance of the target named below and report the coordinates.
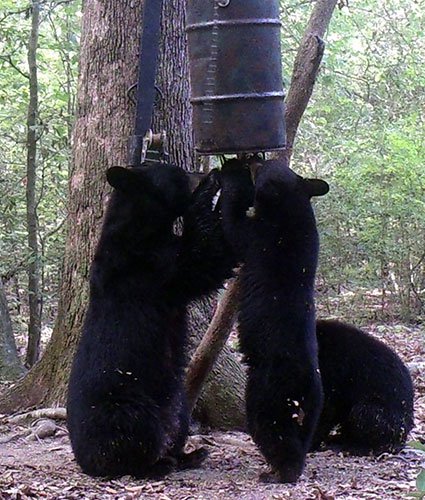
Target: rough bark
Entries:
(172, 111)
(212, 343)
(33, 268)
(10, 365)
(108, 66)
(221, 403)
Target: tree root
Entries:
(43, 413)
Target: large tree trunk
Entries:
(10, 364)
(108, 66)
(34, 297)
(220, 398)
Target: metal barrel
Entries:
(236, 75)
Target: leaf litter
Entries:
(38, 462)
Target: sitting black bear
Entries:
(367, 389)
(126, 404)
(280, 245)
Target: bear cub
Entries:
(279, 244)
(126, 405)
(368, 391)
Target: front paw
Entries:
(205, 198)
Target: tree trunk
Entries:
(10, 365)
(212, 343)
(221, 401)
(34, 299)
(108, 66)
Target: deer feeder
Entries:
(236, 75)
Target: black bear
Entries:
(279, 244)
(367, 389)
(126, 404)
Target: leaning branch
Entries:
(212, 343)
(306, 67)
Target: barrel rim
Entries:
(226, 151)
(238, 97)
(234, 22)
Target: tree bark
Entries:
(34, 298)
(212, 343)
(10, 365)
(108, 67)
(221, 401)
(221, 404)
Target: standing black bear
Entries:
(367, 389)
(280, 247)
(126, 404)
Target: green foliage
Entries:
(420, 480)
(417, 445)
(364, 132)
(57, 68)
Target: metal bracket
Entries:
(151, 147)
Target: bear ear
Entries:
(316, 187)
(121, 178)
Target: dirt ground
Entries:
(31, 467)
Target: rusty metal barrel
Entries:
(236, 75)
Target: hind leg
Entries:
(283, 405)
(373, 429)
(327, 421)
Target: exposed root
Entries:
(49, 413)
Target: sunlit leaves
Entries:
(364, 131)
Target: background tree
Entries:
(10, 364)
(34, 299)
(48, 130)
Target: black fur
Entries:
(277, 316)
(367, 389)
(126, 404)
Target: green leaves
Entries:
(57, 70)
(364, 133)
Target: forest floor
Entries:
(31, 467)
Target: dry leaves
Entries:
(44, 468)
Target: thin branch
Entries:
(14, 13)
(8, 59)
(21, 265)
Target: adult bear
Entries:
(280, 245)
(367, 389)
(126, 403)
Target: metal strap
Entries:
(145, 93)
